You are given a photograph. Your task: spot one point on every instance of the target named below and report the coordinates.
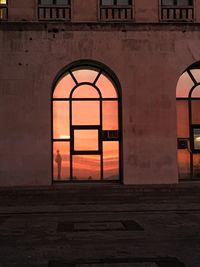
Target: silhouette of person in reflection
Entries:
(58, 160)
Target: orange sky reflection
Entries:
(85, 113)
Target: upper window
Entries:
(3, 10)
(177, 10)
(54, 9)
(116, 10)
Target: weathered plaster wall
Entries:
(197, 10)
(146, 10)
(148, 60)
(20, 10)
(82, 10)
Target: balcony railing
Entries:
(171, 13)
(54, 12)
(3, 12)
(116, 12)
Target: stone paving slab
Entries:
(85, 208)
(99, 234)
(119, 265)
(131, 262)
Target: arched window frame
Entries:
(189, 142)
(103, 69)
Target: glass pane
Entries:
(62, 2)
(122, 2)
(196, 74)
(196, 92)
(3, 2)
(86, 140)
(110, 115)
(196, 111)
(184, 85)
(111, 160)
(64, 87)
(85, 112)
(196, 165)
(196, 133)
(85, 91)
(86, 167)
(107, 2)
(183, 163)
(106, 87)
(182, 118)
(168, 2)
(46, 2)
(61, 120)
(85, 75)
(183, 2)
(61, 161)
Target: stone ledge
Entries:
(55, 27)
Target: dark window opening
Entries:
(116, 10)
(54, 10)
(177, 10)
(115, 2)
(177, 2)
(3, 10)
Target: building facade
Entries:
(99, 90)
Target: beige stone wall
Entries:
(148, 61)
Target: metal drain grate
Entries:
(130, 262)
(87, 226)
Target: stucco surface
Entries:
(87, 10)
(147, 59)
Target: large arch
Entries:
(86, 123)
(188, 123)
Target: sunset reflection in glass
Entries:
(188, 122)
(85, 116)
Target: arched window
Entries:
(188, 122)
(86, 124)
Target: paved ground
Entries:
(100, 226)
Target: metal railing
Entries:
(116, 12)
(173, 13)
(3, 12)
(54, 12)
